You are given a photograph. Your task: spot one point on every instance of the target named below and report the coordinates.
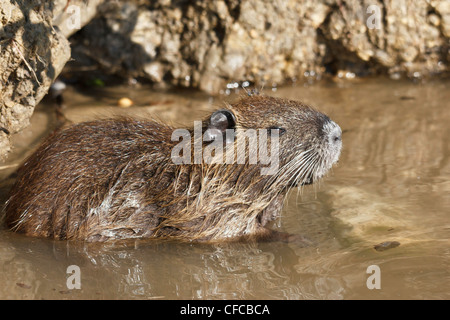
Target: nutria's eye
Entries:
(219, 122)
(280, 130)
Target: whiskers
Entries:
(304, 168)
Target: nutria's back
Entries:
(117, 179)
(76, 173)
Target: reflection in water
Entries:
(167, 270)
(392, 184)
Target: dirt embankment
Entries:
(207, 44)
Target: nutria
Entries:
(117, 179)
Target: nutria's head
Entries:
(309, 141)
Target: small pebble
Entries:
(58, 86)
(23, 285)
(64, 291)
(386, 245)
(125, 102)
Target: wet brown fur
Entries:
(115, 179)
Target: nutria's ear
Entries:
(219, 122)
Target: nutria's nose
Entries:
(333, 141)
(336, 134)
(333, 132)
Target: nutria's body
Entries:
(115, 179)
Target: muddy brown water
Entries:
(392, 183)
